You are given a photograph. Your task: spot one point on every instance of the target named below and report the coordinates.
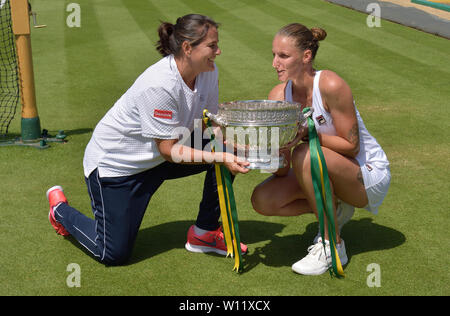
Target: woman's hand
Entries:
(302, 135)
(235, 164)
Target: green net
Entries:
(9, 82)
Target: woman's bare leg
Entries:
(345, 179)
(280, 196)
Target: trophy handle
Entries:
(304, 116)
(216, 119)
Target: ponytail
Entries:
(166, 46)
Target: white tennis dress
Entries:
(371, 157)
(154, 107)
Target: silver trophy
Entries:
(257, 129)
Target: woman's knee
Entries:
(116, 256)
(262, 202)
(118, 260)
(257, 199)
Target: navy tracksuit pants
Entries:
(119, 204)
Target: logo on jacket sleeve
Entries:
(164, 114)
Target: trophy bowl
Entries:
(257, 129)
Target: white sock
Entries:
(199, 231)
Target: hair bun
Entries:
(167, 28)
(165, 32)
(318, 33)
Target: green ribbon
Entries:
(230, 222)
(323, 196)
(232, 217)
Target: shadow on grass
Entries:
(360, 235)
(158, 239)
(78, 131)
(52, 133)
(161, 238)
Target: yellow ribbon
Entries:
(226, 208)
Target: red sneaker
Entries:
(55, 196)
(212, 241)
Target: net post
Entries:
(30, 124)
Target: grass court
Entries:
(400, 81)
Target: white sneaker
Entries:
(315, 262)
(344, 213)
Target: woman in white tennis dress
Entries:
(357, 165)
